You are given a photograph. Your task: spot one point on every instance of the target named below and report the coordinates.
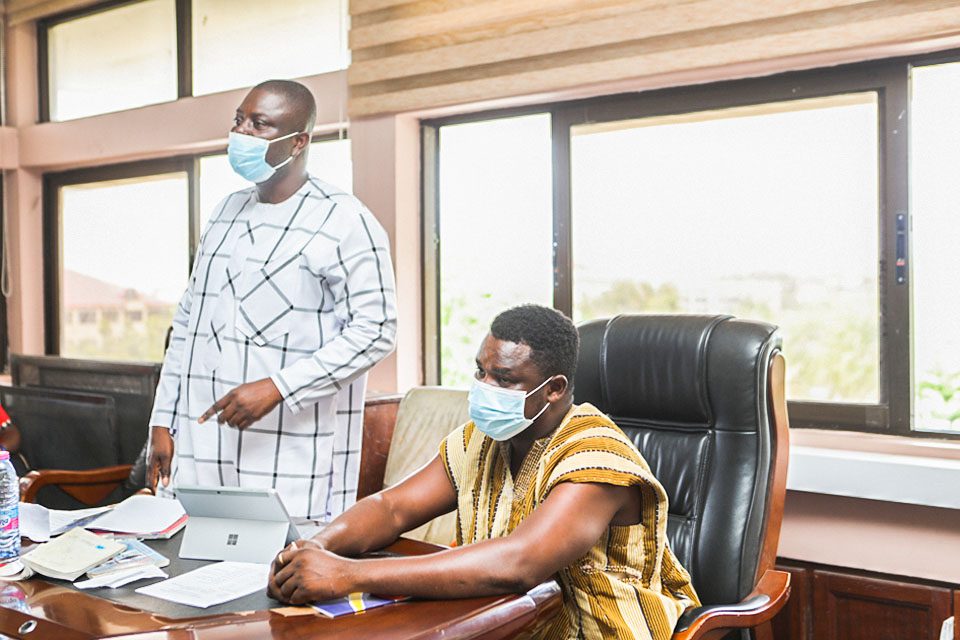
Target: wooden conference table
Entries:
(57, 611)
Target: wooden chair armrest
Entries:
(706, 623)
(31, 483)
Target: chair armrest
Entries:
(767, 598)
(96, 479)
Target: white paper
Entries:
(140, 514)
(34, 522)
(212, 584)
(946, 629)
(39, 523)
(15, 570)
(62, 521)
(120, 578)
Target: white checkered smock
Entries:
(302, 292)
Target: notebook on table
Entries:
(234, 523)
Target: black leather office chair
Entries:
(702, 398)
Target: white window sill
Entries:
(892, 469)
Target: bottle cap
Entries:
(4, 454)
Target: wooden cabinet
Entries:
(831, 603)
(794, 620)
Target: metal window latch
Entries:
(901, 250)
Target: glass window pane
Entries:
(239, 43)
(329, 160)
(935, 191)
(113, 60)
(766, 212)
(496, 230)
(123, 267)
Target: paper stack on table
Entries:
(136, 556)
(136, 562)
(39, 523)
(120, 578)
(71, 555)
(142, 516)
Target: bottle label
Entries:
(10, 519)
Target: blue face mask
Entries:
(248, 156)
(498, 412)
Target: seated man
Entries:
(561, 494)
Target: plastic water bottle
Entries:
(9, 510)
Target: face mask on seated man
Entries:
(543, 489)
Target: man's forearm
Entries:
(366, 526)
(490, 567)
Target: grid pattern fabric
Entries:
(301, 292)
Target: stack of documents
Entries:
(142, 516)
(120, 578)
(135, 556)
(39, 523)
(71, 555)
(139, 516)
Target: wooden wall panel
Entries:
(421, 54)
(848, 607)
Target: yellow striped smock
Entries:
(629, 584)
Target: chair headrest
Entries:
(648, 365)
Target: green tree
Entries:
(628, 296)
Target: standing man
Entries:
(290, 302)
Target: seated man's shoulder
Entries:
(589, 439)
(586, 422)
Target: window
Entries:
(106, 229)
(495, 240)
(286, 39)
(783, 199)
(765, 211)
(122, 54)
(935, 234)
(113, 59)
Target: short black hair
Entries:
(301, 101)
(553, 339)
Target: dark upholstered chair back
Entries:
(692, 392)
(131, 385)
(62, 430)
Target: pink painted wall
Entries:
(901, 539)
(8, 148)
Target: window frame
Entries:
(183, 19)
(889, 79)
(52, 183)
(184, 45)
